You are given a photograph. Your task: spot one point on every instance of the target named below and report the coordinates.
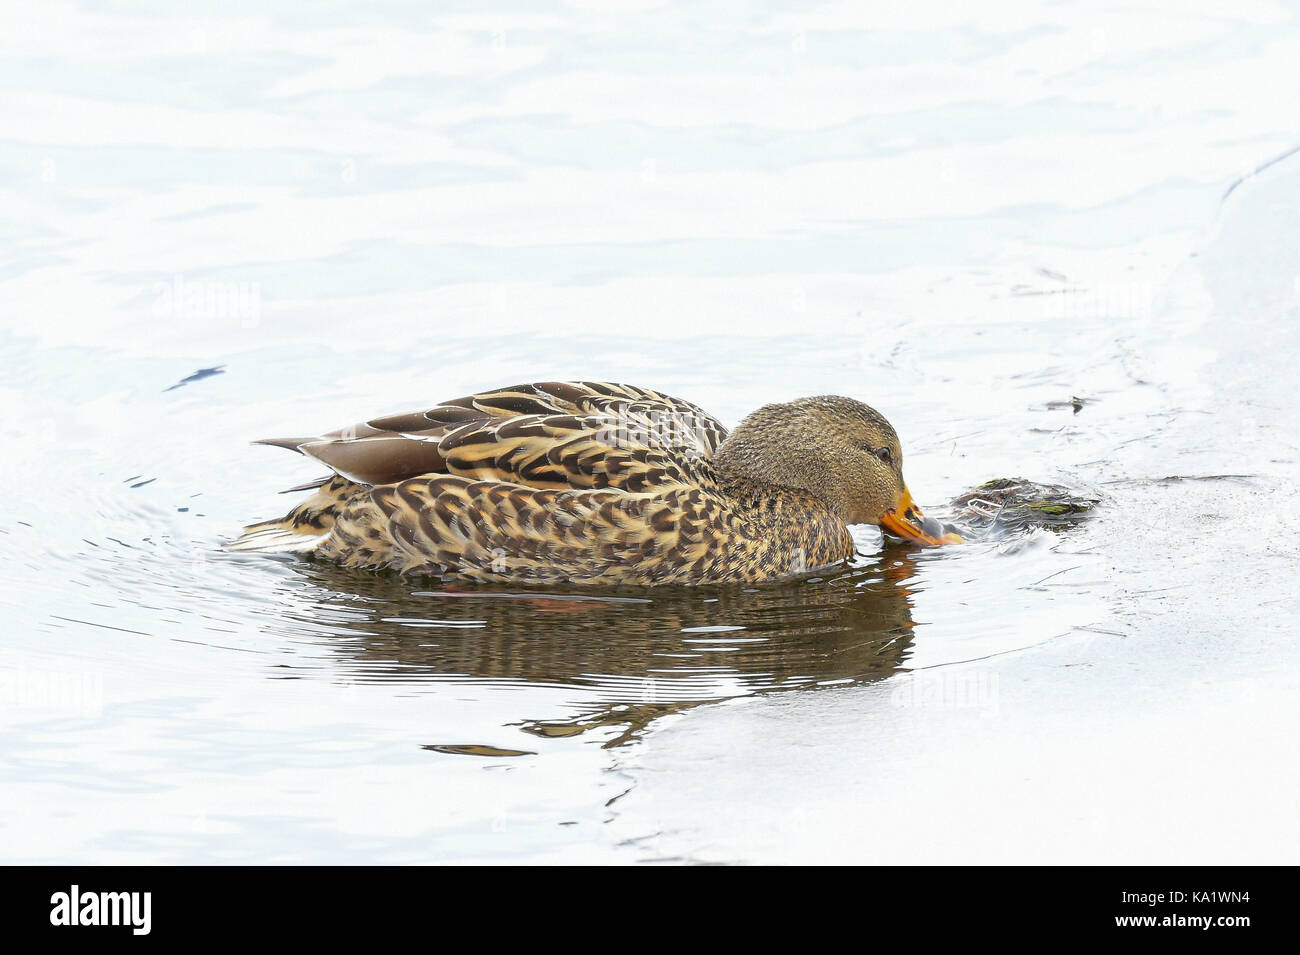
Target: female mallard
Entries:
(599, 483)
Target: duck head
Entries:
(837, 449)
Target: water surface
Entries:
(225, 225)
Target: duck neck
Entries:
(756, 462)
(790, 521)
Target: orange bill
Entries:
(907, 521)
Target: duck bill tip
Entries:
(908, 522)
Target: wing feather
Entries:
(549, 435)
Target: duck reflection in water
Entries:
(630, 655)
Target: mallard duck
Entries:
(599, 483)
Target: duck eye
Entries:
(884, 455)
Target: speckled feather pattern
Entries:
(547, 483)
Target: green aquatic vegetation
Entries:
(1013, 504)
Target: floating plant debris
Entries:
(1075, 402)
(476, 749)
(1011, 504)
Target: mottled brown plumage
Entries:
(598, 483)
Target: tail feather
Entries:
(304, 527)
(275, 538)
(310, 485)
(289, 444)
